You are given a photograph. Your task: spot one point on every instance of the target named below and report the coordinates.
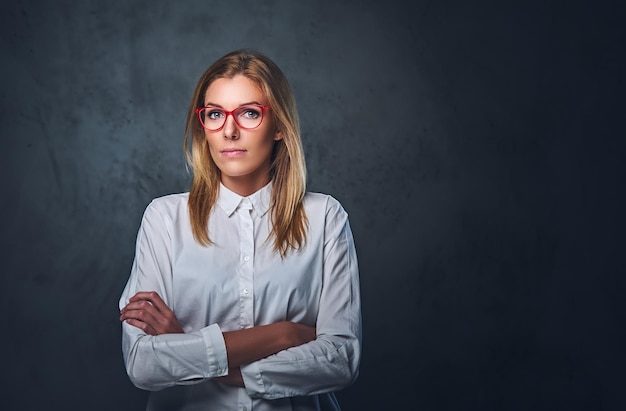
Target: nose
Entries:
(231, 130)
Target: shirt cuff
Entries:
(252, 379)
(216, 351)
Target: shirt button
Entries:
(245, 291)
(246, 258)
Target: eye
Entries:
(250, 113)
(214, 114)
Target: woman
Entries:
(244, 292)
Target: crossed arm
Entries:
(148, 312)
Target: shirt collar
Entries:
(229, 200)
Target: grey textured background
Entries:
(476, 145)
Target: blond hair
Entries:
(288, 169)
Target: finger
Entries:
(142, 320)
(144, 312)
(145, 327)
(144, 295)
(141, 305)
(154, 298)
(165, 320)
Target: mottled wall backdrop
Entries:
(473, 144)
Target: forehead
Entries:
(234, 91)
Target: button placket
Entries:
(246, 231)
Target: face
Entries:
(242, 155)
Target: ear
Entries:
(278, 136)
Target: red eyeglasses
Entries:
(248, 116)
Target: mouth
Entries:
(232, 152)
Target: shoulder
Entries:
(323, 205)
(170, 200)
(312, 199)
(168, 205)
(327, 218)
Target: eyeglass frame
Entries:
(232, 113)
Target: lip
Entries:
(232, 152)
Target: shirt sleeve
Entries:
(331, 361)
(157, 362)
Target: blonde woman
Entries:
(244, 292)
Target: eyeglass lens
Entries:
(213, 118)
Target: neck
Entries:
(244, 187)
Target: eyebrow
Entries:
(244, 104)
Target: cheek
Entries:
(210, 141)
(266, 147)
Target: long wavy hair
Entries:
(288, 169)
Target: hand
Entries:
(148, 312)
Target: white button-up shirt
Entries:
(240, 282)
